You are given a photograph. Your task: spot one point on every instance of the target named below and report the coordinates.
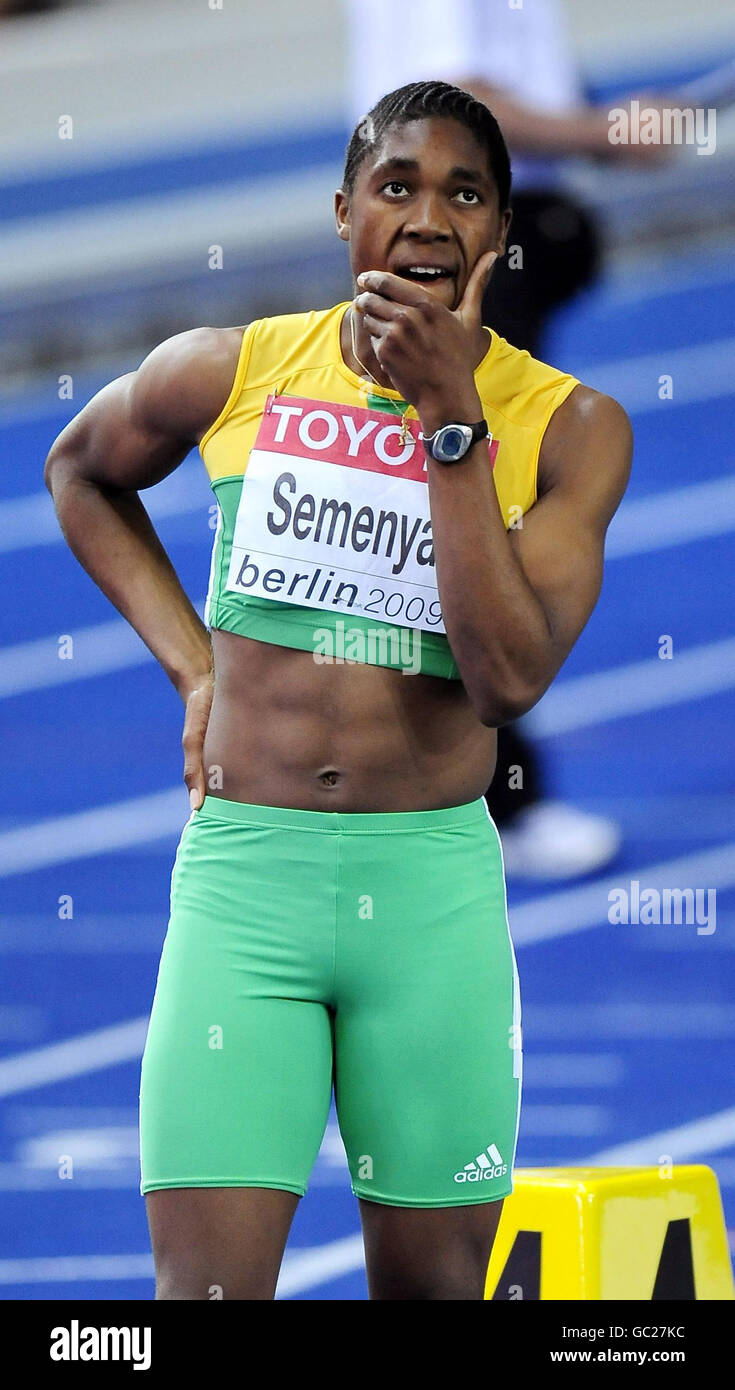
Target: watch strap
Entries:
(479, 431)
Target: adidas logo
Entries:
(488, 1164)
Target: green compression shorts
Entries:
(311, 949)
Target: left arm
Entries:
(515, 602)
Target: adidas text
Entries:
(483, 1167)
(479, 1174)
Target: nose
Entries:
(428, 218)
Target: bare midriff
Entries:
(286, 730)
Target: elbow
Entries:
(50, 467)
(497, 712)
(502, 689)
(59, 467)
(498, 707)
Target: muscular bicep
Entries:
(561, 555)
(139, 428)
(561, 541)
(107, 444)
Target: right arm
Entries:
(582, 130)
(132, 434)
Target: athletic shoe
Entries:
(553, 841)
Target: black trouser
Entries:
(561, 255)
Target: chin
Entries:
(446, 291)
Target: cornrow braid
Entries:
(416, 101)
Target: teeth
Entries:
(425, 270)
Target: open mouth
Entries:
(424, 274)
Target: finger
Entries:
(193, 772)
(394, 287)
(379, 345)
(470, 308)
(378, 306)
(194, 782)
(195, 726)
(375, 327)
(377, 330)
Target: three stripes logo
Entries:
(488, 1164)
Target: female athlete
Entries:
(411, 522)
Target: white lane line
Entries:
(672, 518)
(575, 909)
(65, 1269)
(303, 1269)
(701, 372)
(96, 651)
(682, 1143)
(543, 918)
(576, 703)
(558, 1070)
(99, 831)
(306, 1269)
(163, 815)
(93, 933)
(649, 524)
(18, 1177)
(630, 1019)
(31, 521)
(583, 701)
(632, 283)
(87, 1052)
(46, 256)
(675, 517)
(625, 285)
(543, 1121)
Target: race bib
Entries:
(334, 513)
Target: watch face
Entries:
(452, 442)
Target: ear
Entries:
(342, 215)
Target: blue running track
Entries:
(629, 1030)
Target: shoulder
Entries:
(521, 387)
(184, 383)
(587, 445)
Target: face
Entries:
(424, 198)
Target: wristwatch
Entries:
(450, 443)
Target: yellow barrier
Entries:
(607, 1233)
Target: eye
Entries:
(472, 194)
(392, 186)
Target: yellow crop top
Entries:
(323, 538)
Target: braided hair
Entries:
(415, 102)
